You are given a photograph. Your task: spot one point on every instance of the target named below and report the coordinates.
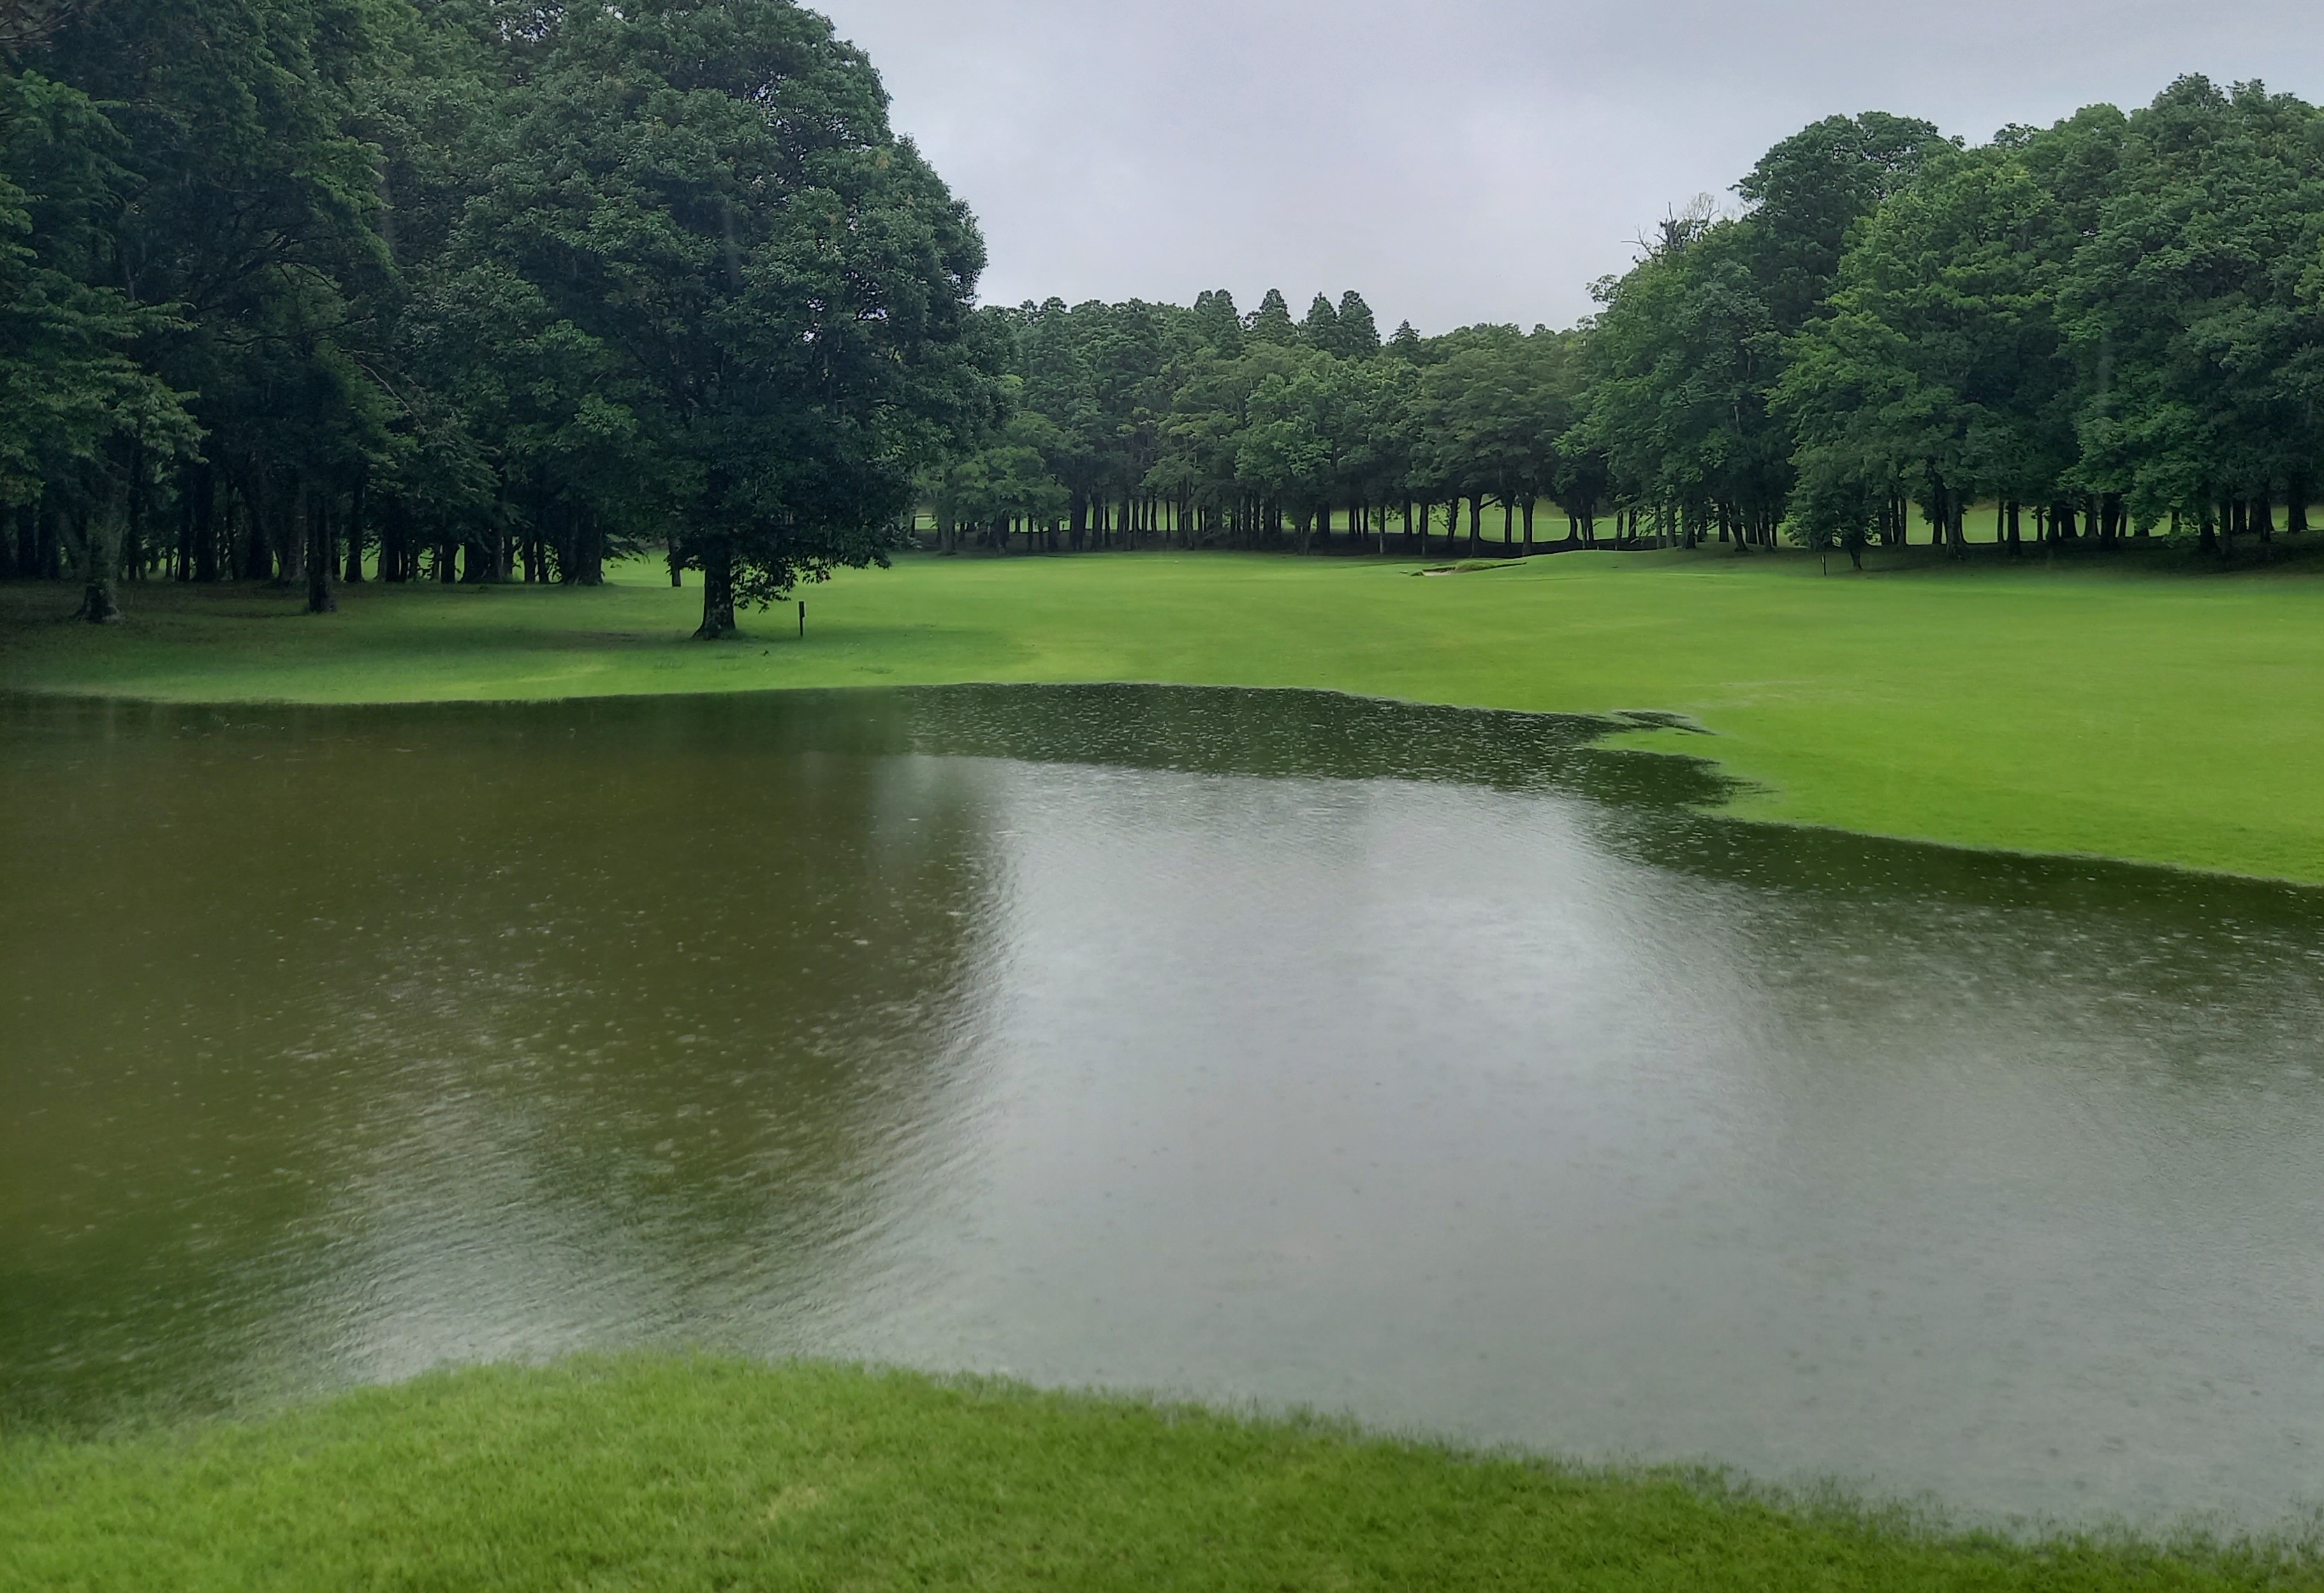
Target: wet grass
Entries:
(2148, 705)
(677, 1474)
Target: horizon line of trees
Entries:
(2101, 329)
(313, 290)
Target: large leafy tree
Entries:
(1682, 359)
(239, 216)
(1807, 192)
(2194, 308)
(710, 193)
(1939, 373)
(82, 422)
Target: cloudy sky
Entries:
(1465, 160)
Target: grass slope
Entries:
(676, 1474)
(2138, 708)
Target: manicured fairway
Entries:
(2142, 708)
(686, 1474)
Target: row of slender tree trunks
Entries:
(1407, 528)
(2103, 518)
(251, 525)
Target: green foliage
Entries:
(2105, 323)
(2192, 307)
(480, 284)
(1271, 321)
(707, 199)
(1681, 362)
(1810, 190)
(72, 394)
(498, 277)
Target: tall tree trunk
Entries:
(96, 544)
(133, 553)
(356, 533)
(245, 543)
(290, 539)
(204, 486)
(320, 600)
(181, 562)
(717, 556)
(395, 542)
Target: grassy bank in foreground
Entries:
(2140, 708)
(683, 1474)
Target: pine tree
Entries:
(1321, 329)
(1271, 321)
(1220, 326)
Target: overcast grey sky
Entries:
(1468, 160)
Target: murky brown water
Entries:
(1417, 1064)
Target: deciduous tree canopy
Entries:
(303, 288)
(2099, 330)
(478, 283)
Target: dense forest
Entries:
(313, 292)
(2105, 329)
(462, 288)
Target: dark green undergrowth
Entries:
(688, 1473)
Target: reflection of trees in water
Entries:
(1315, 734)
(2209, 973)
(513, 1002)
(349, 1039)
(711, 1051)
(162, 990)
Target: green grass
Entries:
(2144, 708)
(675, 1474)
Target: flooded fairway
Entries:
(1422, 1064)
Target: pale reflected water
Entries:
(1425, 1065)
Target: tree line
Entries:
(2104, 329)
(316, 290)
(463, 290)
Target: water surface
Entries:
(1423, 1065)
